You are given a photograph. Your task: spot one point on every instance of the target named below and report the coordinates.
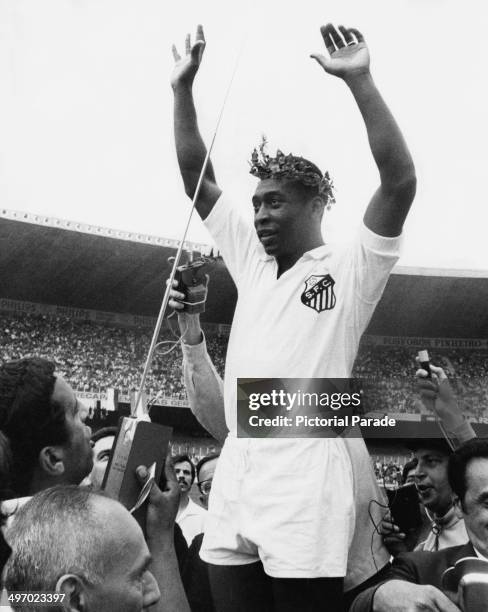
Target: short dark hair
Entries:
(205, 460)
(28, 416)
(104, 432)
(410, 465)
(437, 444)
(180, 459)
(458, 463)
(305, 192)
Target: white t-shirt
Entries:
(274, 333)
(191, 520)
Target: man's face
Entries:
(78, 456)
(101, 454)
(205, 477)
(475, 506)
(431, 480)
(183, 475)
(127, 585)
(282, 219)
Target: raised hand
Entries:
(189, 324)
(176, 298)
(437, 394)
(348, 55)
(187, 66)
(163, 504)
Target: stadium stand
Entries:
(88, 296)
(95, 357)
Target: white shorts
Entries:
(286, 502)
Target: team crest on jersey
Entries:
(319, 292)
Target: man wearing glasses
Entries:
(205, 471)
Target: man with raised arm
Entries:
(281, 512)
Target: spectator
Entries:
(101, 561)
(43, 420)
(415, 580)
(205, 472)
(446, 528)
(102, 441)
(190, 515)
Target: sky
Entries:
(86, 110)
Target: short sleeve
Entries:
(234, 236)
(373, 258)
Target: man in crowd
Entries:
(44, 422)
(205, 472)
(445, 527)
(415, 580)
(50, 445)
(190, 515)
(100, 561)
(300, 314)
(86, 547)
(432, 455)
(102, 441)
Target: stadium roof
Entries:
(65, 263)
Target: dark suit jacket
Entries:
(195, 579)
(417, 567)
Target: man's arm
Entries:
(438, 396)
(190, 148)
(203, 385)
(402, 596)
(401, 592)
(349, 60)
(160, 520)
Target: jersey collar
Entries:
(318, 253)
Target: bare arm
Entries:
(190, 148)
(349, 60)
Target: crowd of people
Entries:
(390, 387)
(95, 356)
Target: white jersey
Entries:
(308, 322)
(289, 503)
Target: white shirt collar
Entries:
(479, 555)
(319, 252)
